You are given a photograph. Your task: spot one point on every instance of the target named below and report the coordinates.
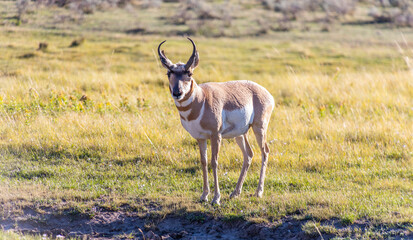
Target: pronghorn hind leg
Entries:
(260, 134)
(202, 143)
(242, 142)
(215, 144)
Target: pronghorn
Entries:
(220, 110)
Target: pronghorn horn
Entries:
(165, 61)
(191, 59)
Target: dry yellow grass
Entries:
(96, 125)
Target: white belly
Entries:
(236, 122)
(194, 127)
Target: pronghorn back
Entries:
(232, 107)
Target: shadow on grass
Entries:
(189, 170)
(36, 153)
(31, 175)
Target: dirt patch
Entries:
(124, 224)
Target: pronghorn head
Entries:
(180, 74)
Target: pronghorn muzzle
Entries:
(177, 92)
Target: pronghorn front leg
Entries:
(215, 144)
(202, 143)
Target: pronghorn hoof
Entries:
(204, 198)
(216, 202)
(258, 194)
(234, 195)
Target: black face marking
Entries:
(179, 75)
(170, 72)
(189, 73)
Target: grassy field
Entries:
(95, 125)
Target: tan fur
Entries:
(207, 111)
(234, 95)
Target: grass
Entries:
(95, 125)
(11, 235)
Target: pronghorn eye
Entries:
(189, 74)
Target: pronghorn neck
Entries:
(190, 106)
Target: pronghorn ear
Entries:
(166, 63)
(196, 61)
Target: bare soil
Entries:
(125, 224)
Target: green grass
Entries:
(340, 135)
(11, 235)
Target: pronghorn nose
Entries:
(177, 93)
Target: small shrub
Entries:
(203, 18)
(284, 25)
(22, 8)
(404, 19)
(79, 8)
(297, 11)
(268, 4)
(264, 27)
(77, 42)
(402, 4)
(27, 55)
(151, 3)
(396, 12)
(43, 46)
(192, 10)
(138, 30)
(338, 8)
(291, 9)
